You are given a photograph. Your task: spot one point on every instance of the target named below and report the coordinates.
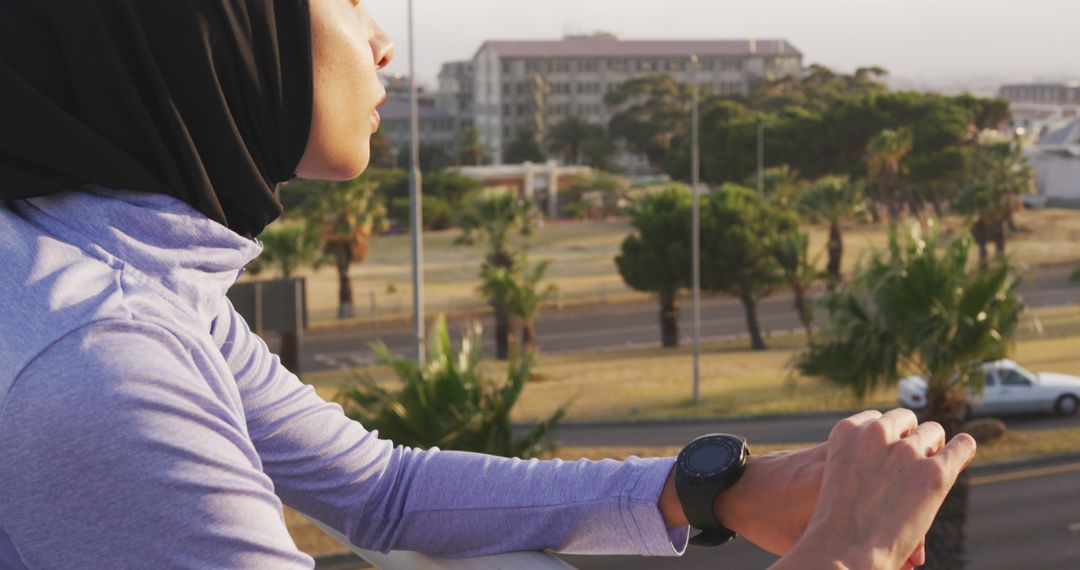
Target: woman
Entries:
(141, 422)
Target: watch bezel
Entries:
(734, 445)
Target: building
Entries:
(455, 91)
(1035, 105)
(523, 83)
(537, 183)
(1056, 159)
(438, 129)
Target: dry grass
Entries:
(582, 255)
(654, 383)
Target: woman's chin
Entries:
(342, 168)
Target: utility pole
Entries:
(761, 159)
(695, 178)
(416, 218)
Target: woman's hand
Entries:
(885, 478)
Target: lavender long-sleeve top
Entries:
(142, 423)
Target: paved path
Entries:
(622, 325)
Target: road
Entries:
(613, 326)
(810, 428)
(1026, 517)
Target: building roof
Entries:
(456, 69)
(1065, 136)
(611, 46)
(400, 110)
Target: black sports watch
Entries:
(706, 467)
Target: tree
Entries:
(832, 199)
(473, 152)
(816, 89)
(449, 402)
(921, 308)
(346, 214)
(656, 258)
(780, 184)
(651, 113)
(524, 148)
(593, 195)
(569, 137)
(1000, 174)
(286, 248)
(518, 289)
(800, 272)
(491, 220)
(884, 154)
(739, 231)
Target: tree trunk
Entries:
(502, 331)
(935, 202)
(836, 252)
(669, 320)
(945, 541)
(343, 259)
(806, 316)
(528, 335)
(979, 232)
(999, 239)
(750, 304)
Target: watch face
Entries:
(710, 455)
(710, 458)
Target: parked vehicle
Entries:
(1008, 389)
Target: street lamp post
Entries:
(416, 218)
(695, 182)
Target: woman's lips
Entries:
(376, 118)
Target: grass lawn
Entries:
(583, 267)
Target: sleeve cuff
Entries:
(642, 513)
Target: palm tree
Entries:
(286, 248)
(800, 272)
(884, 154)
(1000, 174)
(491, 220)
(832, 199)
(473, 152)
(528, 297)
(449, 402)
(921, 309)
(780, 184)
(347, 214)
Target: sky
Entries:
(933, 40)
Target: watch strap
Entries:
(698, 499)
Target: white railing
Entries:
(416, 561)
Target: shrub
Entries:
(449, 402)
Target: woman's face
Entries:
(347, 48)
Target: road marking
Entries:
(1027, 473)
(1074, 527)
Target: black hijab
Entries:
(209, 101)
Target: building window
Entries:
(617, 65)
